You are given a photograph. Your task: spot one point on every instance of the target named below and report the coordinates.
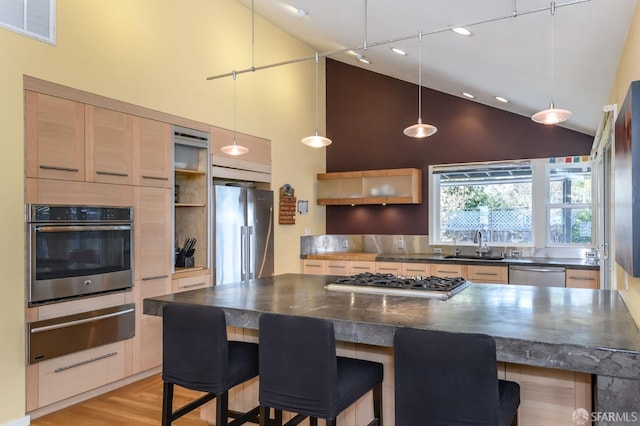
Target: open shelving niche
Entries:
(191, 195)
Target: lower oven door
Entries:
(64, 335)
(78, 260)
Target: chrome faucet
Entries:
(477, 238)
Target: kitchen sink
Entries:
(472, 257)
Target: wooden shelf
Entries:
(190, 172)
(190, 205)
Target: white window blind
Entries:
(34, 18)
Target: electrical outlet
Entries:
(516, 253)
(437, 250)
(400, 244)
(345, 244)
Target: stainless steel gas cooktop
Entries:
(389, 284)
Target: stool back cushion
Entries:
(445, 378)
(194, 347)
(298, 365)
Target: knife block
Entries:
(185, 260)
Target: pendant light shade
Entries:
(316, 141)
(234, 149)
(552, 115)
(420, 130)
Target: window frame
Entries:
(50, 38)
(540, 199)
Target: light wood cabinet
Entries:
(336, 267)
(487, 274)
(108, 146)
(190, 283)
(360, 266)
(388, 186)
(416, 269)
(151, 153)
(79, 372)
(152, 272)
(549, 396)
(582, 278)
(446, 270)
(394, 268)
(55, 137)
(313, 266)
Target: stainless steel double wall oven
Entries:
(77, 251)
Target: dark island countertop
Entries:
(570, 329)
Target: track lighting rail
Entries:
(367, 45)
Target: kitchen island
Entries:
(576, 330)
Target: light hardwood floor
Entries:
(139, 403)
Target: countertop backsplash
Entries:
(419, 244)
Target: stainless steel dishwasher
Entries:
(543, 276)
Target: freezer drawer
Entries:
(542, 276)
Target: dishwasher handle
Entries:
(537, 269)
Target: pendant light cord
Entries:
(317, 58)
(366, 14)
(552, 8)
(234, 107)
(420, 76)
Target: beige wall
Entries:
(628, 71)
(156, 54)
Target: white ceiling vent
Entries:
(34, 18)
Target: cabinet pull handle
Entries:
(582, 278)
(335, 266)
(102, 172)
(387, 269)
(414, 270)
(154, 177)
(62, 169)
(192, 285)
(493, 274)
(358, 267)
(447, 272)
(80, 321)
(313, 265)
(87, 361)
(157, 277)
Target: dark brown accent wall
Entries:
(366, 113)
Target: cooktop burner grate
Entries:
(439, 287)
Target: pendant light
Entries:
(234, 149)
(552, 115)
(420, 130)
(316, 141)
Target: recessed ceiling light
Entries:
(301, 13)
(501, 99)
(468, 95)
(461, 30)
(399, 51)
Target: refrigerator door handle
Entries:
(251, 253)
(243, 253)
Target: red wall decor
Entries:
(287, 212)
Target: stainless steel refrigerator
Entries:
(243, 233)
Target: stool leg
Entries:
(377, 403)
(514, 422)
(313, 421)
(278, 417)
(167, 403)
(265, 412)
(222, 409)
(331, 422)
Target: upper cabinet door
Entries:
(55, 137)
(151, 153)
(109, 146)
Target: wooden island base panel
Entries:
(550, 340)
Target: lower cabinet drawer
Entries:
(190, 283)
(446, 271)
(69, 375)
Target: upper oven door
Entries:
(76, 260)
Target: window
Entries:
(538, 202)
(493, 198)
(35, 18)
(569, 211)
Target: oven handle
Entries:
(80, 321)
(82, 228)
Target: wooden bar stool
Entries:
(450, 379)
(196, 355)
(300, 372)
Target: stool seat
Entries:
(197, 355)
(450, 379)
(300, 372)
